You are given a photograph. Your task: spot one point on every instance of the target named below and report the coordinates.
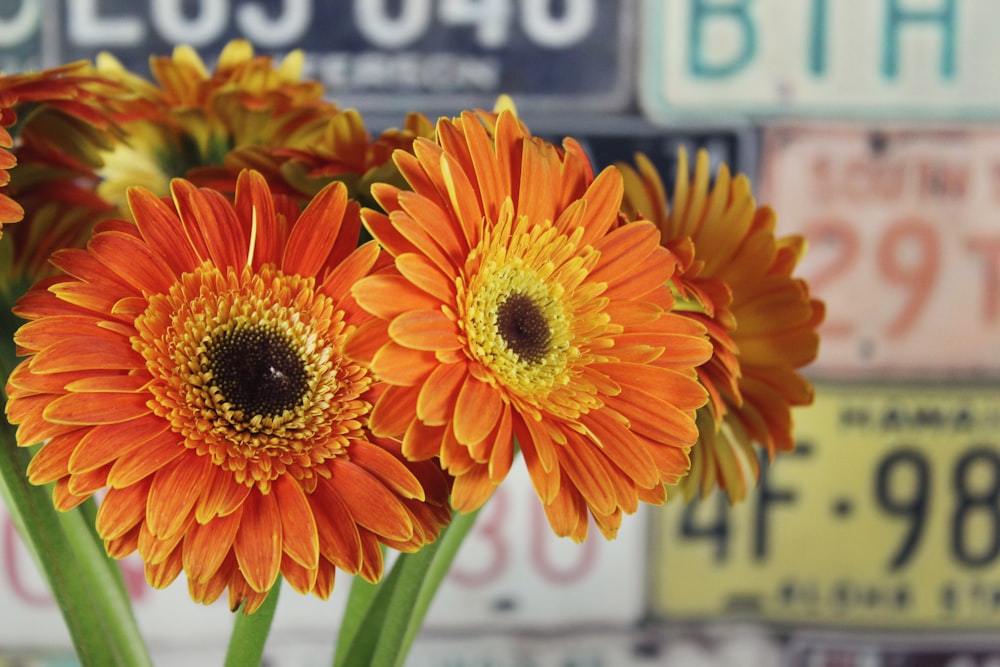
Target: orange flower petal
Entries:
(300, 540)
(258, 541)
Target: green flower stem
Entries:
(250, 631)
(85, 582)
(359, 601)
(394, 611)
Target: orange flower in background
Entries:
(206, 126)
(346, 152)
(71, 93)
(191, 364)
(736, 279)
(516, 308)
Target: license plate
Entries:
(888, 514)
(904, 241)
(842, 57)
(390, 54)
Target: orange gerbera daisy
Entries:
(191, 363)
(72, 91)
(516, 309)
(736, 279)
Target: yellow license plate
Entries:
(888, 513)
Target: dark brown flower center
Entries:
(523, 327)
(257, 370)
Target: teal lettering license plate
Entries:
(898, 58)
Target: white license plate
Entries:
(832, 57)
(903, 227)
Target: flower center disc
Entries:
(523, 327)
(257, 370)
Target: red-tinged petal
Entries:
(96, 408)
(414, 222)
(385, 467)
(567, 514)
(191, 212)
(34, 428)
(153, 549)
(63, 498)
(477, 410)
(623, 449)
(371, 504)
(121, 510)
(105, 443)
(588, 475)
(86, 351)
(163, 573)
(173, 494)
(463, 200)
(472, 489)
(603, 197)
(137, 464)
(255, 203)
(258, 542)
(312, 238)
(502, 454)
(221, 496)
(39, 334)
(341, 280)
(299, 578)
(371, 558)
(160, 227)
(425, 330)
(300, 540)
(422, 441)
(338, 535)
(52, 460)
(206, 546)
(134, 260)
(112, 384)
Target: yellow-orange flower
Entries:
(206, 126)
(735, 278)
(191, 364)
(516, 308)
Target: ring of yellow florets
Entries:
(517, 328)
(530, 316)
(247, 368)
